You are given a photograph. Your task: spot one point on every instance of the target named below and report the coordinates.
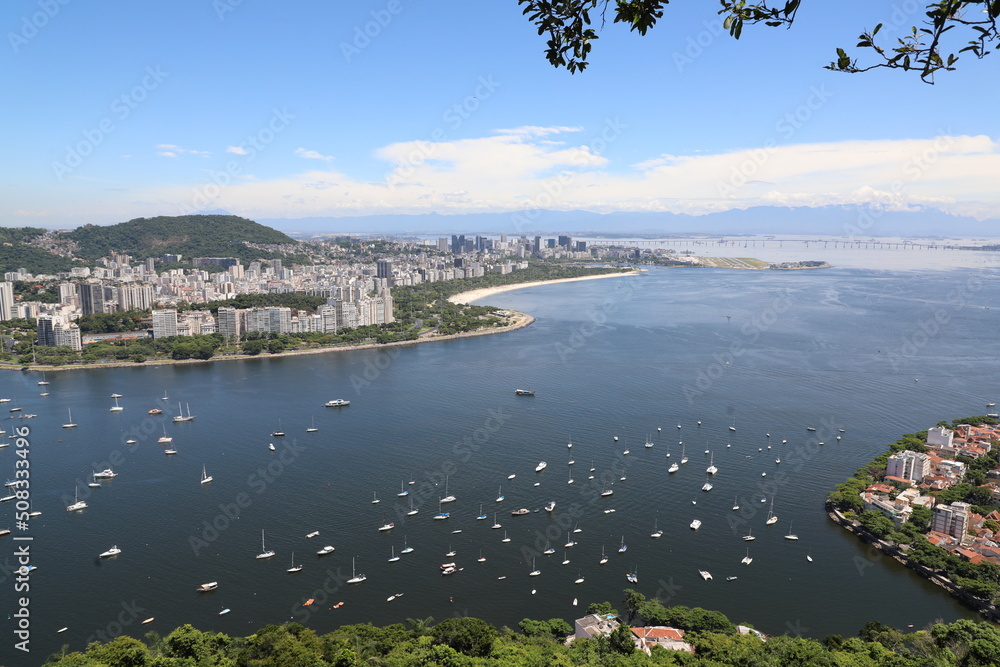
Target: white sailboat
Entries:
(406, 548)
(749, 536)
(375, 500)
(116, 407)
(264, 551)
(413, 510)
(113, 551)
(447, 498)
(771, 517)
(205, 477)
(69, 424)
(791, 535)
(392, 555)
(604, 558)
(684, 458)
(403, 491)
(312, 429)
(505, 538)
(294, 567)
(496, 524)
(77, 503)
(181, 417)
(534, 572)
(500, 495)
(164, 439)
(736, 503)
(711, 469)
(746, 559)
(355, 577)
(656, 530)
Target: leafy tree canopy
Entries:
(925, 49)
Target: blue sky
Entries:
(118, 111)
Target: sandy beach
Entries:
(479, 294)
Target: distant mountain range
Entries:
(853, 221)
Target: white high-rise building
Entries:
(230, 323)
(907, 464)
(164, 323)
(6, 301)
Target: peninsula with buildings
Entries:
(932, 502)
(273, 295)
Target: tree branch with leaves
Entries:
(568, 24)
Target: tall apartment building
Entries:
(164, 323)
(91, 298)
(231, 322)
(6, 301)
(951, 519)
(906, 464)
(54, 331)
(134, 297)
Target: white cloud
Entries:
(532, 168)
(312, 155)
(173, 150)
(236, 149)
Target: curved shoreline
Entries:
(520, 320)
(464, 298)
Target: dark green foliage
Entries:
(187, 235)
(36, 260)
(26, 290)
(131, 320)
(471, 636)
(286, 299)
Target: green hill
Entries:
(187, 235)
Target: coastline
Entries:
(885, 549)
(464, 298)
(520, 320)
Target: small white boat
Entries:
(541, 466)
(336, 403)
(604, 558)
(264, 551)
(205, 477)
(210, 586)
(673, 467)
(225, 610)
(325, 551)
(149, 620)
(696, 524)
(270, 446)
(413, 510)
(403, 491)
(406, 548)
(375, 500)
(77, 503)
(294, 567)
(392, 555)
(113, 551)
(534, 572)
(512, 476)
(706, 486)
(500, 495)
(624, 547)
(749, 536)
(550, 506)
(656, 530)
(791, 535)
(447, 498)
(746, 559)
(313, 534)
(505, 538)
(115, 407)
(70, 423)
(705, 574)
(355, 578)
(736, 504)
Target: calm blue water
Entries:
(766, 352)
